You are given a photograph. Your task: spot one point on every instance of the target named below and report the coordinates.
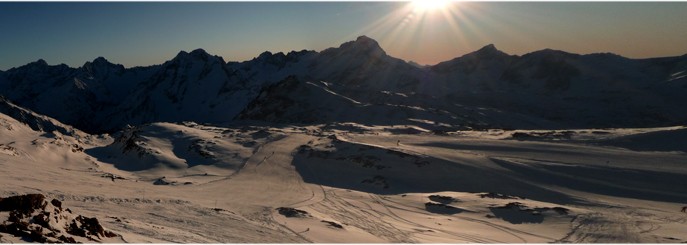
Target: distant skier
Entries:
(684, 209)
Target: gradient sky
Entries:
(135, 34)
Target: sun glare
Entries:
(429, 5)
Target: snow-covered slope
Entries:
(36, 121)
(189, 182)
(181, 152)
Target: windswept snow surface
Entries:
(195, 183)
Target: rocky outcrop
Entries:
(293, 213)
(33, 218)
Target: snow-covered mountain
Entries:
(74, 96)
(596, 90)
(193, 86)
(487, 88)
(296, 101)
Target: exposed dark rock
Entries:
(162, 181)
(548, 135)
(442, 199)
(30, 218)
(518, 213)
(201, 148)
(66, 239)
(293, 213)
(333, 224)
(112, 176)
(76, 148)
(85, 226)
(513, 205)
(441, 208)
(24, 203)
(42, 219)
(56, 203)
(260, 134)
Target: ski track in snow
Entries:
(240, 207)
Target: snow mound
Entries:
(183, 153)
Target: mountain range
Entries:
(359, 82)
(347, 144)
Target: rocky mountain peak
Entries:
(101, 60)
(39, 62)
(99, 63)
(363, 45)
(197, 54)
(487, 51)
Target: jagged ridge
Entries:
(567, 90)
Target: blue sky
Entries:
(149, 33)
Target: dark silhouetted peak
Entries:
(489, 47)
(269, 57)
(39, 62)
(297, 54)
(487, 56)
(415, 64)
(605, 56)
(265, 55)
(98, 62)
(550, 53)
(488, 51)
(197, 54)
(39, 65)
(101, 60)
(364, 45)
(181, 54)
(279, 59)
(99, 65)
(365, 39)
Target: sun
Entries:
(422, 6)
